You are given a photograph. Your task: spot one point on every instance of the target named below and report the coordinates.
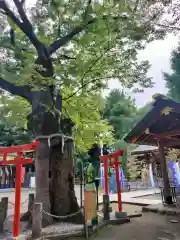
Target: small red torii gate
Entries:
(113, 157)
(18, 161)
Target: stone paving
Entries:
(132, 197)
(148, 227)
(162, 209)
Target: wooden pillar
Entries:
(37, 220)
(28, 215)
(164, 170)
(106, 206)
(3, 212)
(5, 201)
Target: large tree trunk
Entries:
(63, 199)
(42, 179)
(53, 166)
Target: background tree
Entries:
(61, 47)
(13, 129)
(173, 155)
(122, 114)
(120, 111)
(14, 110)
(12, 135)
(172, 79)
(170, 21)
(133, 172)
(141, 112)
(119, 145)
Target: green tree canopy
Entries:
(141, 112)
(119, 111)
(14, 110)
(13, 129)
(172, 79)
(88, 45)
(12, 135)
(84, 111)
(90, 36)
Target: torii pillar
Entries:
(164, 170)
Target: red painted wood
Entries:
(18, 161)
(4, 156)
(112, 156)
(23, 174)
(16, 228)
(106, 189)
(118, 185)
(118, 154)
(14, 162)
(113, 162)
(20, 148)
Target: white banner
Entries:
(32, 182)
(151, 175)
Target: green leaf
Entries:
(45, 39)
(172, 79)
(13, 25)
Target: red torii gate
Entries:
(18, 161)
(113, 162)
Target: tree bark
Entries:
(63, 199)
(42, 180)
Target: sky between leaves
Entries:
(158, 54)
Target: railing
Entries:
(138, 185)
(125, 186)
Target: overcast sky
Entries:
(158, 54)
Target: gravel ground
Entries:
(150, 226)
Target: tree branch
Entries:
(62, 57)
(82, 86)
(25, 26)
(92, 65)
(86, 84)
(19, 6)
(136, 5)
(64, 40)
(85, 74)
(21, 91)
(166, 26)
(87, 10)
